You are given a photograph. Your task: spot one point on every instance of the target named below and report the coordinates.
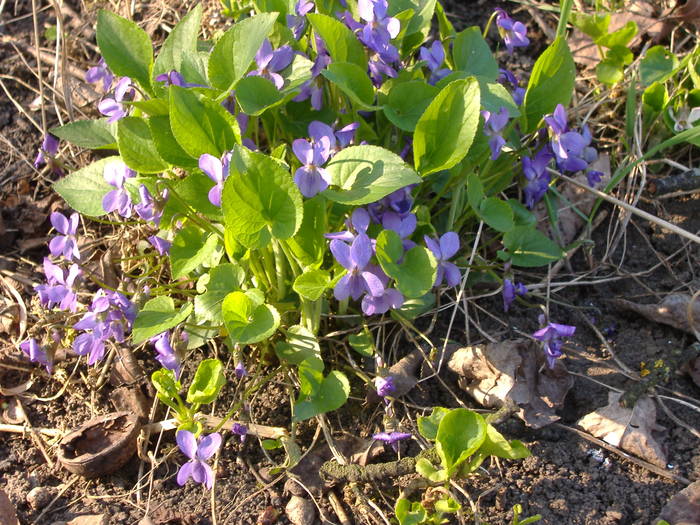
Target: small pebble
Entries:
(39, 497)
(300, 511)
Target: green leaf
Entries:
(366, 174)
(312, 284)
(447, 504)
(152, 106)
(260, 200)
(497, 214)
(165, 383)
(191, 247)
(521, 215)
(157, 316)
(656, 96)
(595, 26)
(407, 101)
(341, 42)
(256, 95)
(459, 435)
(207, 382)
(300, 347)
(622, 37)
(428, 425)
(126, 47)
(473, 55)
(353, 81)
(409, 513)
(136, 146)
(181, 42)
(446, 129)
(415, 275)
(426, 469)
(362, 343)
(496, 445)
(332, 393)
(236, 49)
(199, 126)
(247, 318)
(223, 279)
(529, 247)
(495, 96)
(167, 145)
(309, 245)
(193, 191)
(551, 83)
(84, 189)
(657, 65)
(92, 134)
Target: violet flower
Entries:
(269, 62)
(118, 200)
(113, 107)
(435, 57)
(510, 290)
(218, 171)
(355, 259)
(240, 370)
(59, 287)
(403, 226)
(100, 72)
(149, 209)
(389, 299)
(551, 335)
(392, 438)
(538, 178)
(172, 78)
(443, 249)
(161, 245)
(313, 88)
(297, 22)
(379, 29)
(493, 126)
(47, 154)
(167, 356)
(569, 147)
(357, 223)
(345, 136)
(311, 177)
(399, 201)
(384, 385)
(90, 343)
(513, 33)
(506, 77)
(65, 244)
(198, 452)
(36, 354)
(240, 430)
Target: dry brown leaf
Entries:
(673, 311)
(514, 371)
(684, 507)
(630, 429)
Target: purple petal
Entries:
(57, 245)
(60, 223)
(264, 54)
(342, 254)
(452, 274)
(303, 150)
(212, 167)
(563, 330)
(360, 219)
(433, 246)
(361, 251)
(281, 58)
(310, 181)
(187, 443)
(449, 244)
(342, 288)
(185, 471)
(208, 445)
(319, 130)
(215, 195)
(373, 283)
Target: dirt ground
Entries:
(568, 479)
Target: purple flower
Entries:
(435, 57)
(389, 299)
(217, 170)
(118, 199)
(240, 430)
(311, 177)
(113, 107)
(100, 72)
(594, 177)
(269, 62)
(197, 468)
(569, 147)
(346, 135)
(357, 223)
(36, 354)
(59, 287)
(379, 29)
(172, 78)
(148, 209)
(161, 245)
(91, 343)
(400, 201)
(443, 249)
(510, 290)
(65, 244)
(514, 33)
(551, 335)
(355, 259)
(538, 178)
(313, 89)
(167, 356)
(506, 77)
(392, 438)
(297, 22)
(47, 154)
(384, 385)
(493, 126)
(240, 370)
(378, 68)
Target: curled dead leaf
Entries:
(513, 371)
(404, 373)
(677, 310)
(684, 507)
(633, 430)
